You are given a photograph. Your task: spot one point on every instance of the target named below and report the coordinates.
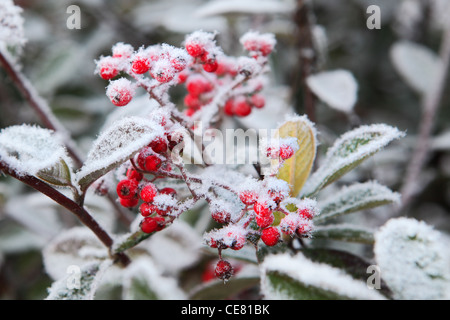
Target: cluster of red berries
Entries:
(201, 65)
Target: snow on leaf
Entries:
(286, 277)
(143, 280)
(416, 64)
(31, 150)
(11, 24)
(414, 259)
(338, 89)
(222, 7)
(296, 169)
(80, 283)
(72, 247)
(115, 145)
(349, 151)
(356, 197)
(344, 232)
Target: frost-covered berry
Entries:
(148, 192)
(286, 152)
(248, 197)
(304, 227)
(221, 216)
(140, 65)
(133, 174)
(152, 224)
(120, 91)
(306, 213)
(163, 71)
(122, 50)
(108, 68)
(127, 188)
(211, 66)
(262, 208)
(159, 145)
(147, 209)
(264, 220)
(152, 163)
(192, 101)
(224, 270)
(258, 43)
(257, 101)
(170, 191)
(197, 84)
(270, 236)
(129, 203)
(289, 224)
(228, 108)
(194, 48)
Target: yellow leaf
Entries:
(296, 170)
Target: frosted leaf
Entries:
(181, 241)
(11, 24)
(143, 280)
(115, 145)
(356, 197)
(338, 89)
(76, 246)
(414, 259)
(80, 283)
(221, 7)
(286, 277)
(416, 64)
(345, 232)
(31, 149)
(348, 151)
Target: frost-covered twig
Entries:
(431, 103)
(81, 213)
(38, 104)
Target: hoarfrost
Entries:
(311, 274)
(11, 24)
(414, 259)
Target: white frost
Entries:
(11, 24)
(414, 259)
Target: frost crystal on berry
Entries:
(120, 91)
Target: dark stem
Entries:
(70, 205)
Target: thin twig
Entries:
(431, 103)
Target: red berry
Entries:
(238, 241)
(152, 163)
(264, 220)
(129, 203)
(270, 236)
(108, 68)
(152, 224)
(262, 209)
(159, 145)
(169, 191)
(127, 188)
(120, 92)
(189, 112)
(192, 102)
(133, 174)
(242, 108)
(198, 85)
(223, 270)
(211, 66)
(195, 49)
(305, 213)
(221, 216)
(147, 209)
(228, 108)
(148, 192)
(289, 224)
(140, 65)
(304, 227)
(286, 152)
(248, 197)
(258, 101)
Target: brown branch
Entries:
(431, 103)
(70, 205)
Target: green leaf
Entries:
(58, 175)
(296, 277)
(348, 152)
(346, 233)
(359, 196)
(217, 290)
(296, 169)
(117, 144)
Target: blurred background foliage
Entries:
(60, 63)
